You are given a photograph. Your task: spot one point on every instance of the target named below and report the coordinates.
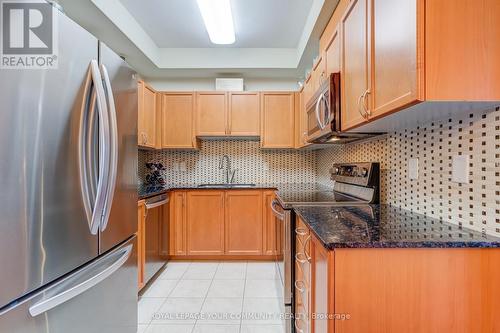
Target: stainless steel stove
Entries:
(352, 184)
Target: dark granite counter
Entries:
(385, 226)
(149, 191)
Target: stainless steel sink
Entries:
(231, 185)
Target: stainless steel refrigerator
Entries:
(68, 191)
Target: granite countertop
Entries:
(385, 226)
(149, 191)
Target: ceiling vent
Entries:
(229, 84)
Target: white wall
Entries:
(251, 84)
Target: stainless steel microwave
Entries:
(324, 115)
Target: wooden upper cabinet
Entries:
(332, 54)
(395, 71)
(205, 222)
(178, 120)
(147, 116)
(462, 47)
(277, 120)
(243, 222)
(397, 53)
(244, 114)
(318, 73)
(355, 82)
(211, 113)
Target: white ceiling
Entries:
(167, 38)
(258, 23)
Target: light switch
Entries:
(460, 169)
(182, 166)
(175, 166)
(413, 168)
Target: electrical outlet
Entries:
(460, 169)
(182, 166)
(413, 168)
(175, 166)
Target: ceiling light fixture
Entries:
(218, 20)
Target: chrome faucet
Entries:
(229, 173)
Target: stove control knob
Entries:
(363, 172)
(336, 171)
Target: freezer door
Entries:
(100, 297)
(44, 224)
(120, 221)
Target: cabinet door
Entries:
(355, 64)
(243, 222)
(244, 114)
(177, 237)
(278, 125)
(146, 116)
(211, 113)
(318, 74)
(141, 242)
(178, 120)
(205, 223)
(394, 53)
(271, 244)
(332, 54)
(321, 287)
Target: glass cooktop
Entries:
(288, 198)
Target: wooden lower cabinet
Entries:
(270, 236)
(322, 279)
(178, 234)
(243, 222)
(205, 222)
(141, 242)
(395, 290)
(237, 224)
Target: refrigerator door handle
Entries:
(75, 285)
(113, 153)
(104, 143)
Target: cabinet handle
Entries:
(365, 103)
(146, 138)
(361, 108)
(359, 105)
(299, 330)
(297, 257)
(296, 283)
(301, 231)
(307, 255)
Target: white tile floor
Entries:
(213, 297)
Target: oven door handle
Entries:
(156, 204)
(279, 215)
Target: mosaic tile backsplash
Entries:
(475, 205)
(253, 164)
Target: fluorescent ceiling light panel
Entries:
(218, 20)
